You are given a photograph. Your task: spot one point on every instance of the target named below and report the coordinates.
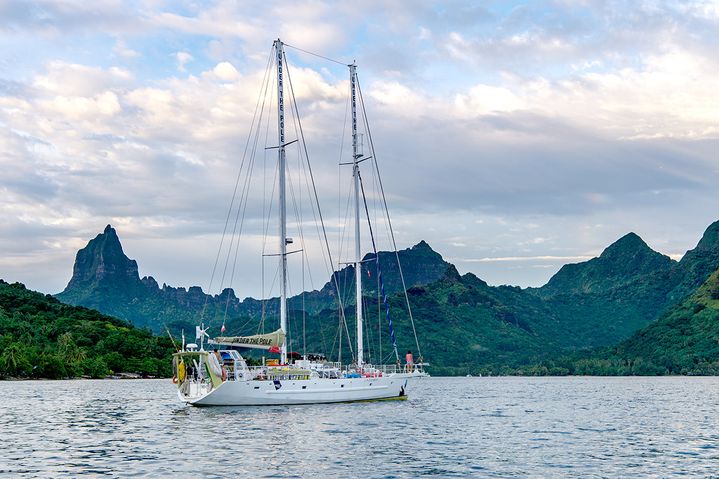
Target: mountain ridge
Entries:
(104, 278)
(596, 303)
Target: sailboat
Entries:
(214, 372)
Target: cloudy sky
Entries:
(514, 137)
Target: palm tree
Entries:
(13, 359)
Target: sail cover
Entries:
(258, 341)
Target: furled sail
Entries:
(257, 341)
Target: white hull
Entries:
(310, 391)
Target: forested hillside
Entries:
(40, 337)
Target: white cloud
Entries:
(124, 51)
(226, 72)
(485, 123)
(77, 108)
(72, 79)
(673, 94)
(401, 98)
(182, 59)
(486, 99)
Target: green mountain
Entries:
(41, 337)
(623, 263)
(102, 271)
(696, 265)
(467, 326)
(104, 278)
(683, 341)
(463, 324)
(602, 301)
(420, 265)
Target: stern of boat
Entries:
(196, 375)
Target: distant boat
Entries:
(223, 377)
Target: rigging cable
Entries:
(315, 54)
(264, 243)
(266, 212)
(343, 227)
(234, 193)
(389, 221)
(379, 271)
(314, 188)
(297, 204)
(242, 206)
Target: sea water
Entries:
(449, 427)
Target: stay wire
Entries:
(314, 188)
(298, 214)
(244, 200)
(315, 54)
(389, 221)
(374, 247)
(242, 209)
(266, 211)
(234, 193)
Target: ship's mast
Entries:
(358, 250)
(282, 200)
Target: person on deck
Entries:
(410, 362)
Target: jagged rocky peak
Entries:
(421, 249)
(103, 261)
(422, 245)
(473, 279)
(629, 243)
(710, 238)
(452, 275)
(425, 249)
(420, 265)
(150, 282)
(621, 262)
(698, 263)
(630, 253)
(227, 292)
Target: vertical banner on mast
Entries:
(283, 204)
(358, 249)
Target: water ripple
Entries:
(450, 427)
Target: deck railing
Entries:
(334, 370)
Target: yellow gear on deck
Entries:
(181, 371)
